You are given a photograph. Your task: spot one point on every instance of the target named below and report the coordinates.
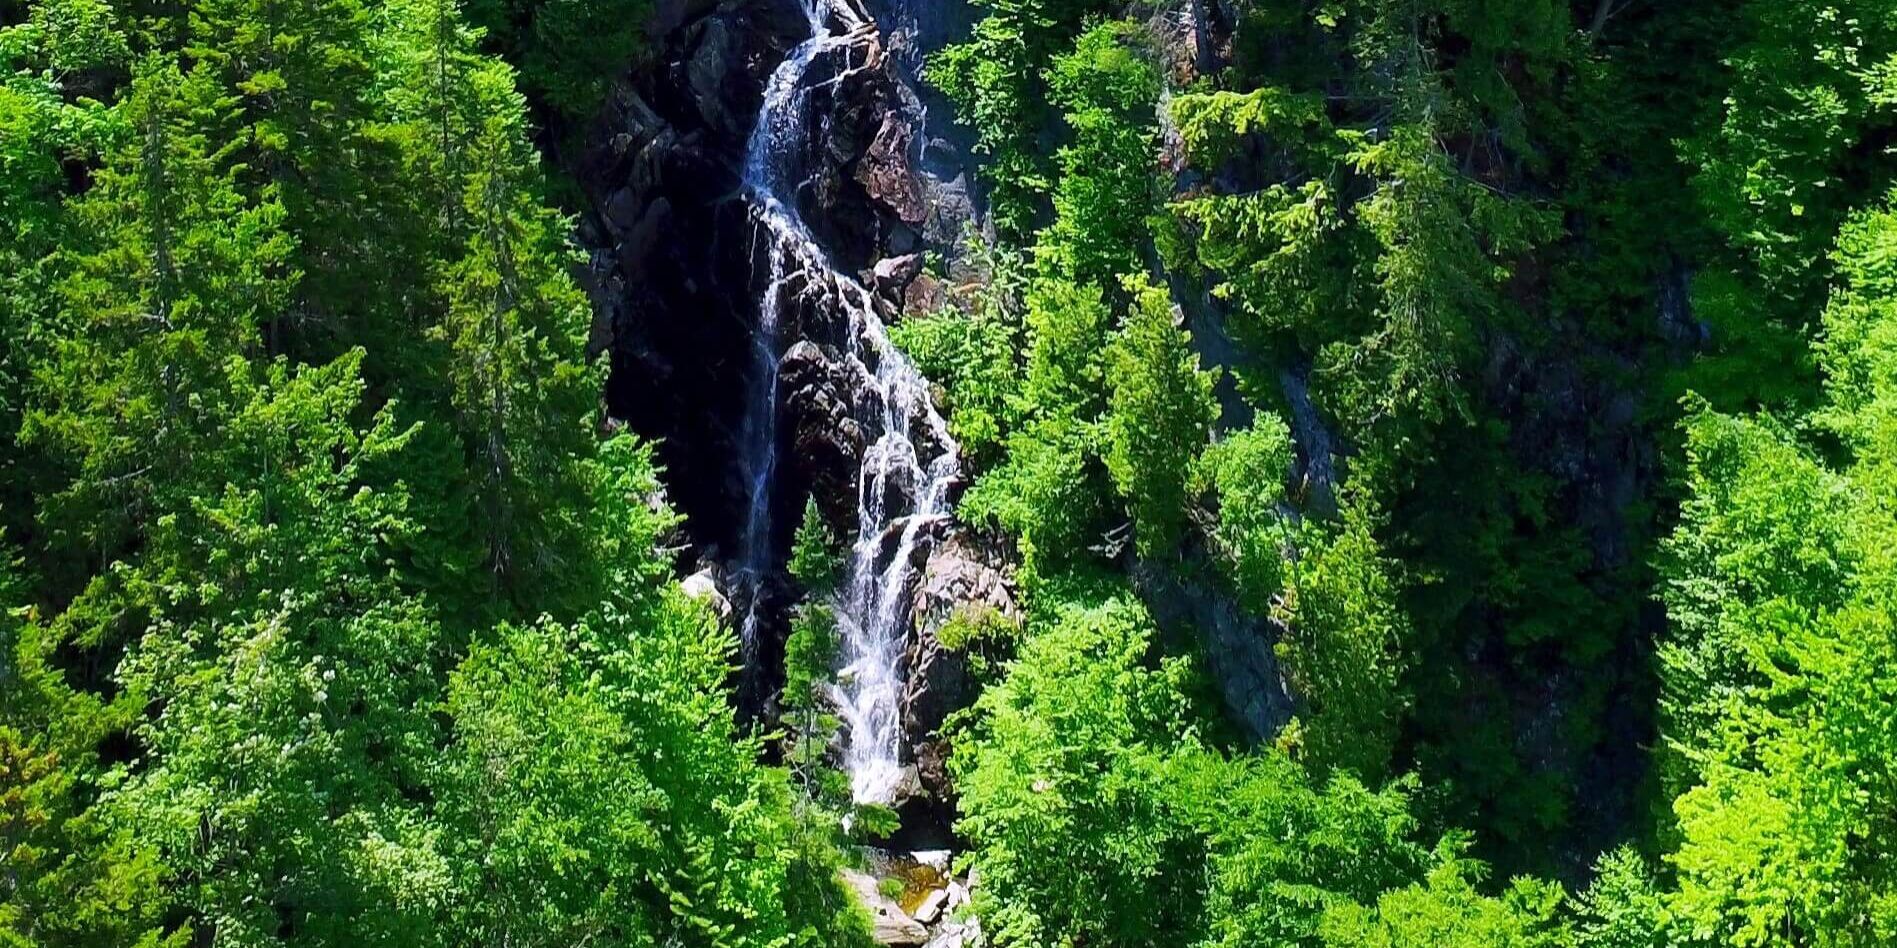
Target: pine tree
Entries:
(1161, 417)
(513, 328)
(177, 271)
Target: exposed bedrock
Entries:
(681, 266)
(678, 260)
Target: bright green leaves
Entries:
(1069, 326)
(1281, 258)
(1792, 150)
(1332, 589)
(1622, 908)
(1160, 417)
(174, 274)
(1214, 126)
(293, 672)
(598, 791)
(1774, 170)
(997, 82)
(810, 656)
(1107, 188)
(1778, 669)
(1858, 349)
(1065, 787)
(1449, 912)
(333, 563)
(816, 557)
(970, 350)
(1050, 494)
(1347, 644)
(1081, 771)
(1287, 848)
(1393, 289)
(1247, 471)
(513, 329)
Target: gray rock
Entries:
(668, 15)
(705, 587)
(957, 579)
(932, 906)
(827, 441)
(890, 924)
(1238, 645)
(706, 70)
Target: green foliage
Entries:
(1107, 188)
(816, 557)
(1440, 239)
(569, 51)
(810, 657)
(971, 353)
(1160, 417)
(1247, 471)
(1081, 771)
(1792, 151)
(1050, 494)
(1347, 644)
(1286, 848)
(1332, 589)
(336, 623)
(1449, 911)
(996, 79)
(342, 626)
(513, 328)
(1063, 775)
(1622, 909)
(1777, 666)
(570, 818)
(1069, 328)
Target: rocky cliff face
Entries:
(681, 265)
(677, 261)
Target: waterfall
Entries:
(910, 463)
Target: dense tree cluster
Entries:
(1423, 273)
(1524, 371)
(331, 616)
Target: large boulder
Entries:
(885, 173)
(826, 440)
(890, 925)
(959, 583)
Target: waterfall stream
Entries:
(910, 463)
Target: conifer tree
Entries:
(1161, 417)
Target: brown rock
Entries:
(892, 275)
(924, 295)
(885, 174)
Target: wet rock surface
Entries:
(678, 258)
(889, 924)
(928, 909)
(682, 273)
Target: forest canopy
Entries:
(1513, 380)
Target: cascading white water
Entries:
(909, 467)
